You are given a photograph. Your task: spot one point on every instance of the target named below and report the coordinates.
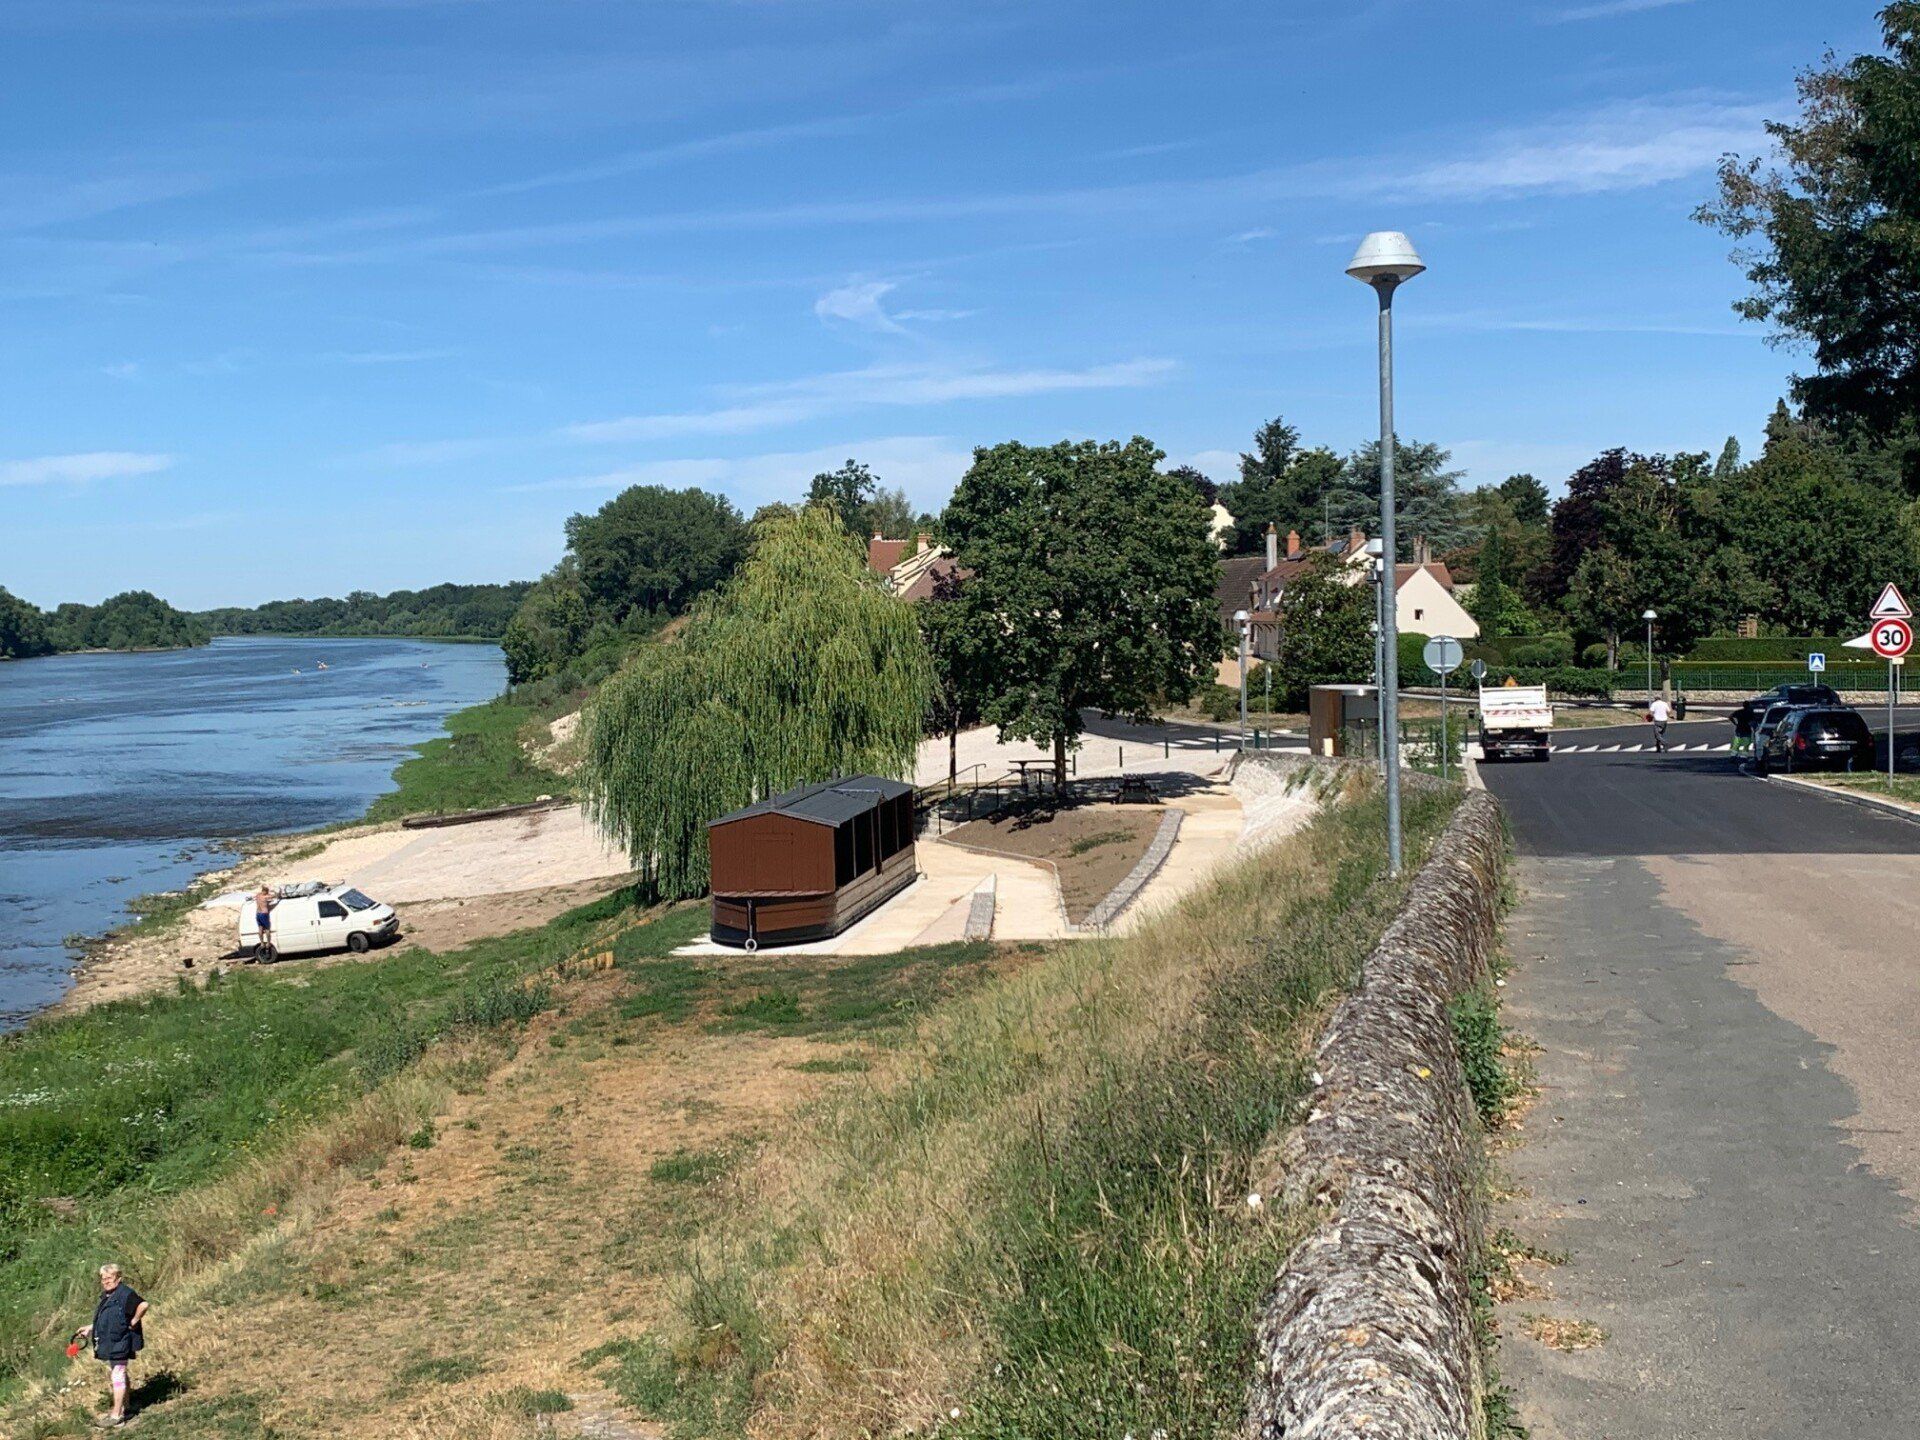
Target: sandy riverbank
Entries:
(452, 885)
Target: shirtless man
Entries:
(263, 902)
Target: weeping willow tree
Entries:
(800, 668)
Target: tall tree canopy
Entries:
(864, 506)
(1426, 496)
(1832, 231)
(801, 668)
(1093, 580)
(654, 549)
(1527, 497)
(1280, 484)
(1326, 634)
(23, 629)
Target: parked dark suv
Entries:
(1822, 737)
(1749, 712)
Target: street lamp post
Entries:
(1385, 260)
(1649, 617)
(1244, 621)
(1379, 665)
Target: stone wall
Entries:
(1369, 1328)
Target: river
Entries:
(120, 774)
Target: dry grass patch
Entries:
(1035, 1212)
(1567, 1336)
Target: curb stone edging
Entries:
(1135, 880)
(1369, 1326)
(1849, 797)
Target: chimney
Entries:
(1356, 540)
(1273, 545)
(1293, 544)
(1422, 551)
(923, 543)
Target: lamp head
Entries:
(1385, 255)
(1649, 615)
(1240, 618)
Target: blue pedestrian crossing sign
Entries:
(1816, 662)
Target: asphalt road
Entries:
(1720, 973)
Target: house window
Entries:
(1418, 613)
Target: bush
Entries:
(1562, 681)
(1217, 702)
(1594, 657)
(1554, 651)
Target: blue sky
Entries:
(300, 296)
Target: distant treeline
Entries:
(442, 612)
(136, 620)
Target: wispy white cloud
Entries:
(386, 357)
(1621, 147)
(701, 147)
(858, 303)
(1607, 9)
(1493, 321)
(789, 401)
(82, 468)
(1247, 237)
(925, 466)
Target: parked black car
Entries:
(1750, 711)
(1821, 737)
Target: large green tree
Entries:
(1093, 584)
(1326, 635)
(800, 668)
(1427, 498)
(1830, 230)
(23, 629)
(1824, 540)
(550, 627)
(654, 549)
(963, 658)
(1280, 484)
(1495, 604)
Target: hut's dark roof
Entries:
(825, 802)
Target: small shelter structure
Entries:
(806, 864)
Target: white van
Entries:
(332, 917)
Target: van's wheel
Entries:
(264, 953)
(358, 942)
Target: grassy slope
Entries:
(111, 1112)
(479, 763)
(1034, 1220)
(1023, 1196)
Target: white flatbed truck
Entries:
(1515, 720)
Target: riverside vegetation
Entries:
(1007, 1181)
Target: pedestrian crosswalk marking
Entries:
(1704, 747)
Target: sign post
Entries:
(1442, 654)
(1892, 637)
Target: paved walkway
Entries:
(1720, 973)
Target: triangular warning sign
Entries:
(1891, 605)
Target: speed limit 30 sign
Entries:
(1891, 638)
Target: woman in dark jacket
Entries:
(116, 1337)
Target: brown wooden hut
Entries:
(807, 864)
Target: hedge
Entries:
(1725, 649)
